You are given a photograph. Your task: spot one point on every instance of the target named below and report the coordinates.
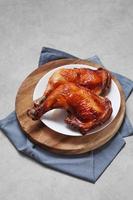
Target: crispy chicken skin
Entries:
(98, 81)
(85, 109)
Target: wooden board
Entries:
(38, 133)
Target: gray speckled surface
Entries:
(83, 28)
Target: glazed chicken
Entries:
(98, 81)
(85, 109)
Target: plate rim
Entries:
(93, 131)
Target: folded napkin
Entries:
(88, 166)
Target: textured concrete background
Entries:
(83, 28)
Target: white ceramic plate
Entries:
(54, 119)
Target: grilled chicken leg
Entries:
(98, 81)
(85, 109)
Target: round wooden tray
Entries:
(40, 134)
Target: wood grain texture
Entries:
(40, 134)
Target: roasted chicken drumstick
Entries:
(85, 109)
(98, 81)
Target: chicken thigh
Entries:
(98, 81)
(85, 109)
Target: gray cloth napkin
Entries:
(88, 166)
